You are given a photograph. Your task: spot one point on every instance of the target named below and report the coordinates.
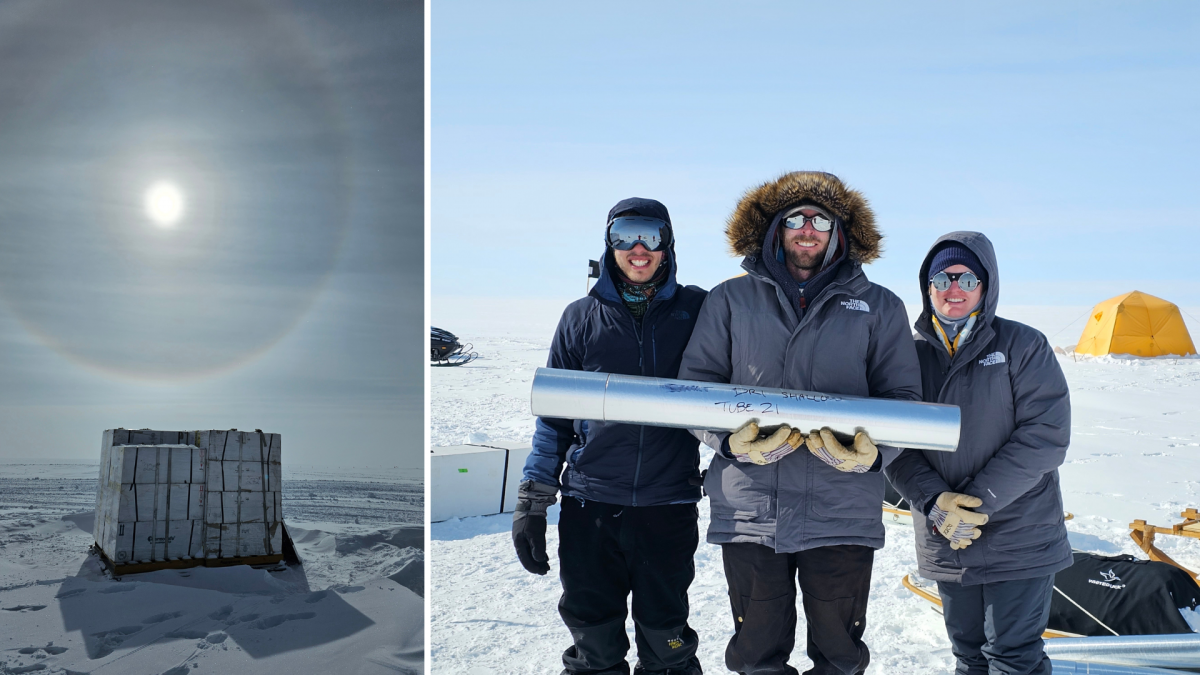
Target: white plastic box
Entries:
(474, 480)
(178, 495)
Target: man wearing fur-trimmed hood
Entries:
(804, 316)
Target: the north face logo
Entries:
(857, 305)
(992, 359)
(680, 314)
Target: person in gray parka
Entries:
(804, 316)
(989, 516)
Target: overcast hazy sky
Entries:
(287, 294)
(1066, 131)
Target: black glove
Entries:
(529, 525)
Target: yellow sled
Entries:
(895, 515)
(930, 595)
(1143, 535)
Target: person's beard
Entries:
(809, 260)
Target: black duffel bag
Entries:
(1121, 595)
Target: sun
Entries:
(164, 204)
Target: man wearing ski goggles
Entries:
(632, 525)
(626, 232)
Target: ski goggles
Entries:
(820, 222)
(967, 281)
(627, 231)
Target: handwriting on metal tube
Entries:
(757, 407)
(768, 407)
(784, 394)
(677, 388)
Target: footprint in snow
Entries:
(222, 613)
(25, 669)
(159, 618)
(24, 608)
(216, 638)
(119, 588)
(242, 619)
(71, 593)
(107, 641)
(49, 649)
(316, 597)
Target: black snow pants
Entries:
(997, 628)
(834, 580)
(607, 551)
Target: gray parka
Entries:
(1016, 426)
(852, 339)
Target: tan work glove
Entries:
(954, 522)
(829, 450)
(746, 446)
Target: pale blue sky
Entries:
(1065, 131)
(287, 297)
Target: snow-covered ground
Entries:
(1135, 453)
(358, 532)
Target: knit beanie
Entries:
(954, 253)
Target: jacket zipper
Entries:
(637, 330)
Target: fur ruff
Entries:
(752, 218)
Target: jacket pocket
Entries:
(758, 347)
(1033, 522)
(933, 548)
(1027, 541)
(738, 491)
(836, 494)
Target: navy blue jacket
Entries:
(630, 465)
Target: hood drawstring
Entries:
(952, 346)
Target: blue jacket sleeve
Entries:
(553, 437)
(915, 479)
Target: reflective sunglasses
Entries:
(627, 231)
(819, 222)
(967, 281)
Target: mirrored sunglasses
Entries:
(967, 281)
(819, 222)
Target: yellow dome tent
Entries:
(1137, 324)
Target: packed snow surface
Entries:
(1135, 454)
(345, 610)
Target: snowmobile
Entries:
(446, 350)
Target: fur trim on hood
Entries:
(748, 225)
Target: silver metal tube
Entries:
(687, 404)
(1164, 651)
(1078, 668)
